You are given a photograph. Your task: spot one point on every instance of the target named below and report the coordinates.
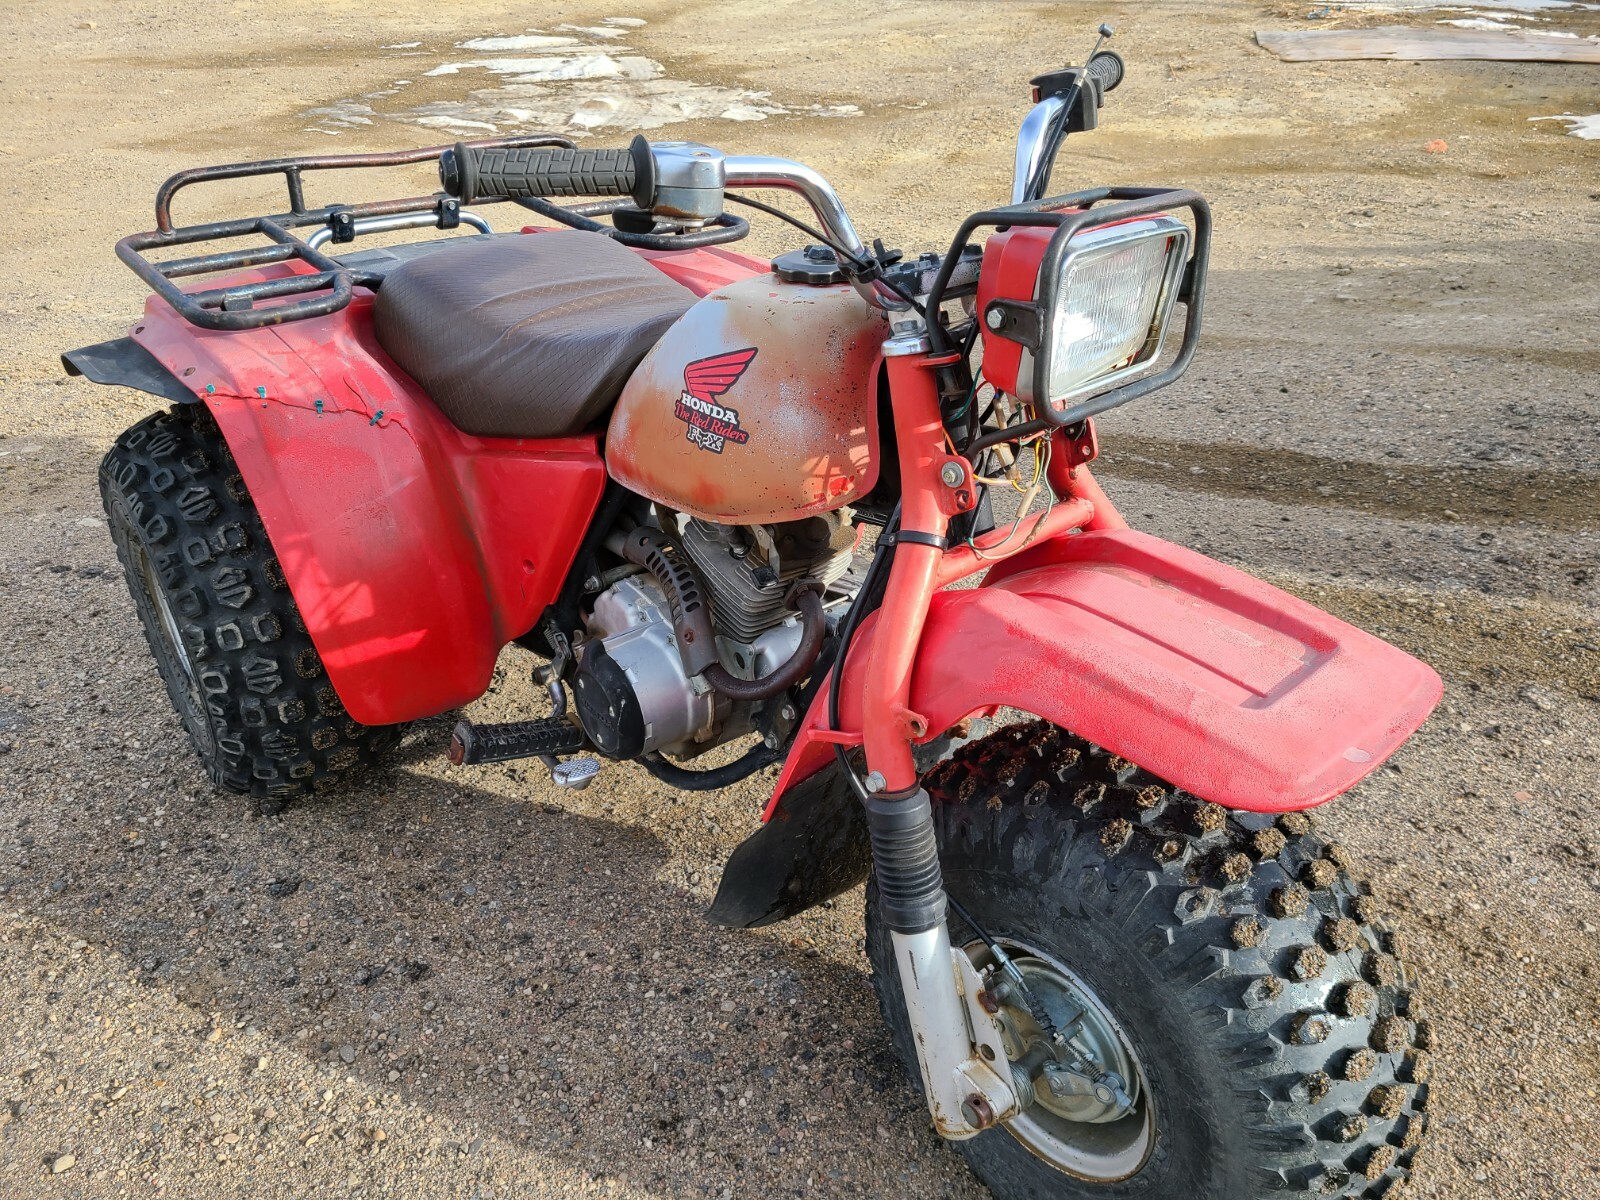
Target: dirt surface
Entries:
(465, 983)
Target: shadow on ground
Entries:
(497, 962)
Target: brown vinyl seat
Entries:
(525, 336)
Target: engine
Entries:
(633, 693)
(748, 568)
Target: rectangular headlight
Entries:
(1068, 317)
(1106, 305)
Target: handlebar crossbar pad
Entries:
(475, 173)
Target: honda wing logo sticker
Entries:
(711, 425)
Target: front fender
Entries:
(1225, 686)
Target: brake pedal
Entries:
(471, 743)
(574, 774)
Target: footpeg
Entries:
(515, 739)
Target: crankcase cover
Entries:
(758, 405)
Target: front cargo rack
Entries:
(234, 308)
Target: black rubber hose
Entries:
(708, 781)
(807, 597)
(1008, 433)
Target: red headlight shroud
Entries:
(1028, 238)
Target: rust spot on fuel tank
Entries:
(794, 435)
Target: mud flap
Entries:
(125, 363)
(813, 848)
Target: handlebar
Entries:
(1067, 100)
(680, 181)
(684, 181)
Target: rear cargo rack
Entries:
(329, 285)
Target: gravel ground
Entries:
(445, 982)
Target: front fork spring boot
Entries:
(905, 857)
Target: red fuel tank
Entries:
(757, 406)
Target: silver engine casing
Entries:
(682, 716)
(631, 619)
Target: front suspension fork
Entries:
(965, 1075)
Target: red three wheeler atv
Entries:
(724, 499)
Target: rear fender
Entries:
(413, 551)
(1223, 685)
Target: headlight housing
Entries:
(1068, 318)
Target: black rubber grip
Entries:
(1108, 68)
(488, 172)
(905, 857)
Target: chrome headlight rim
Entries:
(1067, 249)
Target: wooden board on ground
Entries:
(1413, 45)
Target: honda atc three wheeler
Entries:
(726, 499)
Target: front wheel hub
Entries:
(1096, 1129)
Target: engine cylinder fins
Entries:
(748, 596)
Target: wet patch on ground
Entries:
(573, 79)
(1545, 18)
(1471, 495)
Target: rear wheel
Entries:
(1225, 965)
(227, 638)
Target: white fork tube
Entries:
(965, 1094)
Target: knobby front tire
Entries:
(1283, 1050)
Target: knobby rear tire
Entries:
(1284, 1050)
(255, 699)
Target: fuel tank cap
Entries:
(815, 265)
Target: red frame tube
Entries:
(958, 562)
(927, 503)
(890, 726)
(1068, 480)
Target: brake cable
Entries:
(860, 263)
(1009, 969)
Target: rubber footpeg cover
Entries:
(471, 743)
